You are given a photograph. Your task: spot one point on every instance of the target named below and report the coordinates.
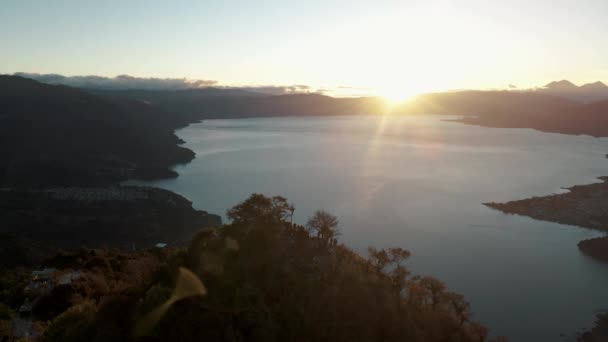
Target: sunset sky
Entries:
(383, 46)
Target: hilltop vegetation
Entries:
(265, 279)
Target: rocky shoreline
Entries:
(599, 332)
(583, 206)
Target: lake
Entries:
(419, 182)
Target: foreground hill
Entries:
(260, 278)
(56, 135)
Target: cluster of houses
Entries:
(41, 283)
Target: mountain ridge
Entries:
(54, 135)
(561, 85)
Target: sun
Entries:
(396, 95)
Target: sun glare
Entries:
(396, 95)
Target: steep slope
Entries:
(56, 135)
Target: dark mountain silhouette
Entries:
(561, 85)
(489, 104)
(515, 109)
(127, 82)
(184, 94)
(594, 86)
(56, 135)
(208, 103)
(586, 93)
(560, 106)
(535, 110)
(62, 148)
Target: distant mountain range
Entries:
(567, 85)
(589, 92)
(181, 90)
(509, 109)
(54, 135)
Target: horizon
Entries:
(388, 49)
(130, 82)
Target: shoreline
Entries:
(480, 122)
(599, 331)
(582, 206)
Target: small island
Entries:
(583, 206)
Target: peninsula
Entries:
(582, 205)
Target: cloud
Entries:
(123, 82)
(120, 82)
(277, 90)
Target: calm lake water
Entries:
(419, 183)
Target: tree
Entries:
(270, 280)
(324, 226)
(258, 208)
(383, 258)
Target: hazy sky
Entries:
(388, 46)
